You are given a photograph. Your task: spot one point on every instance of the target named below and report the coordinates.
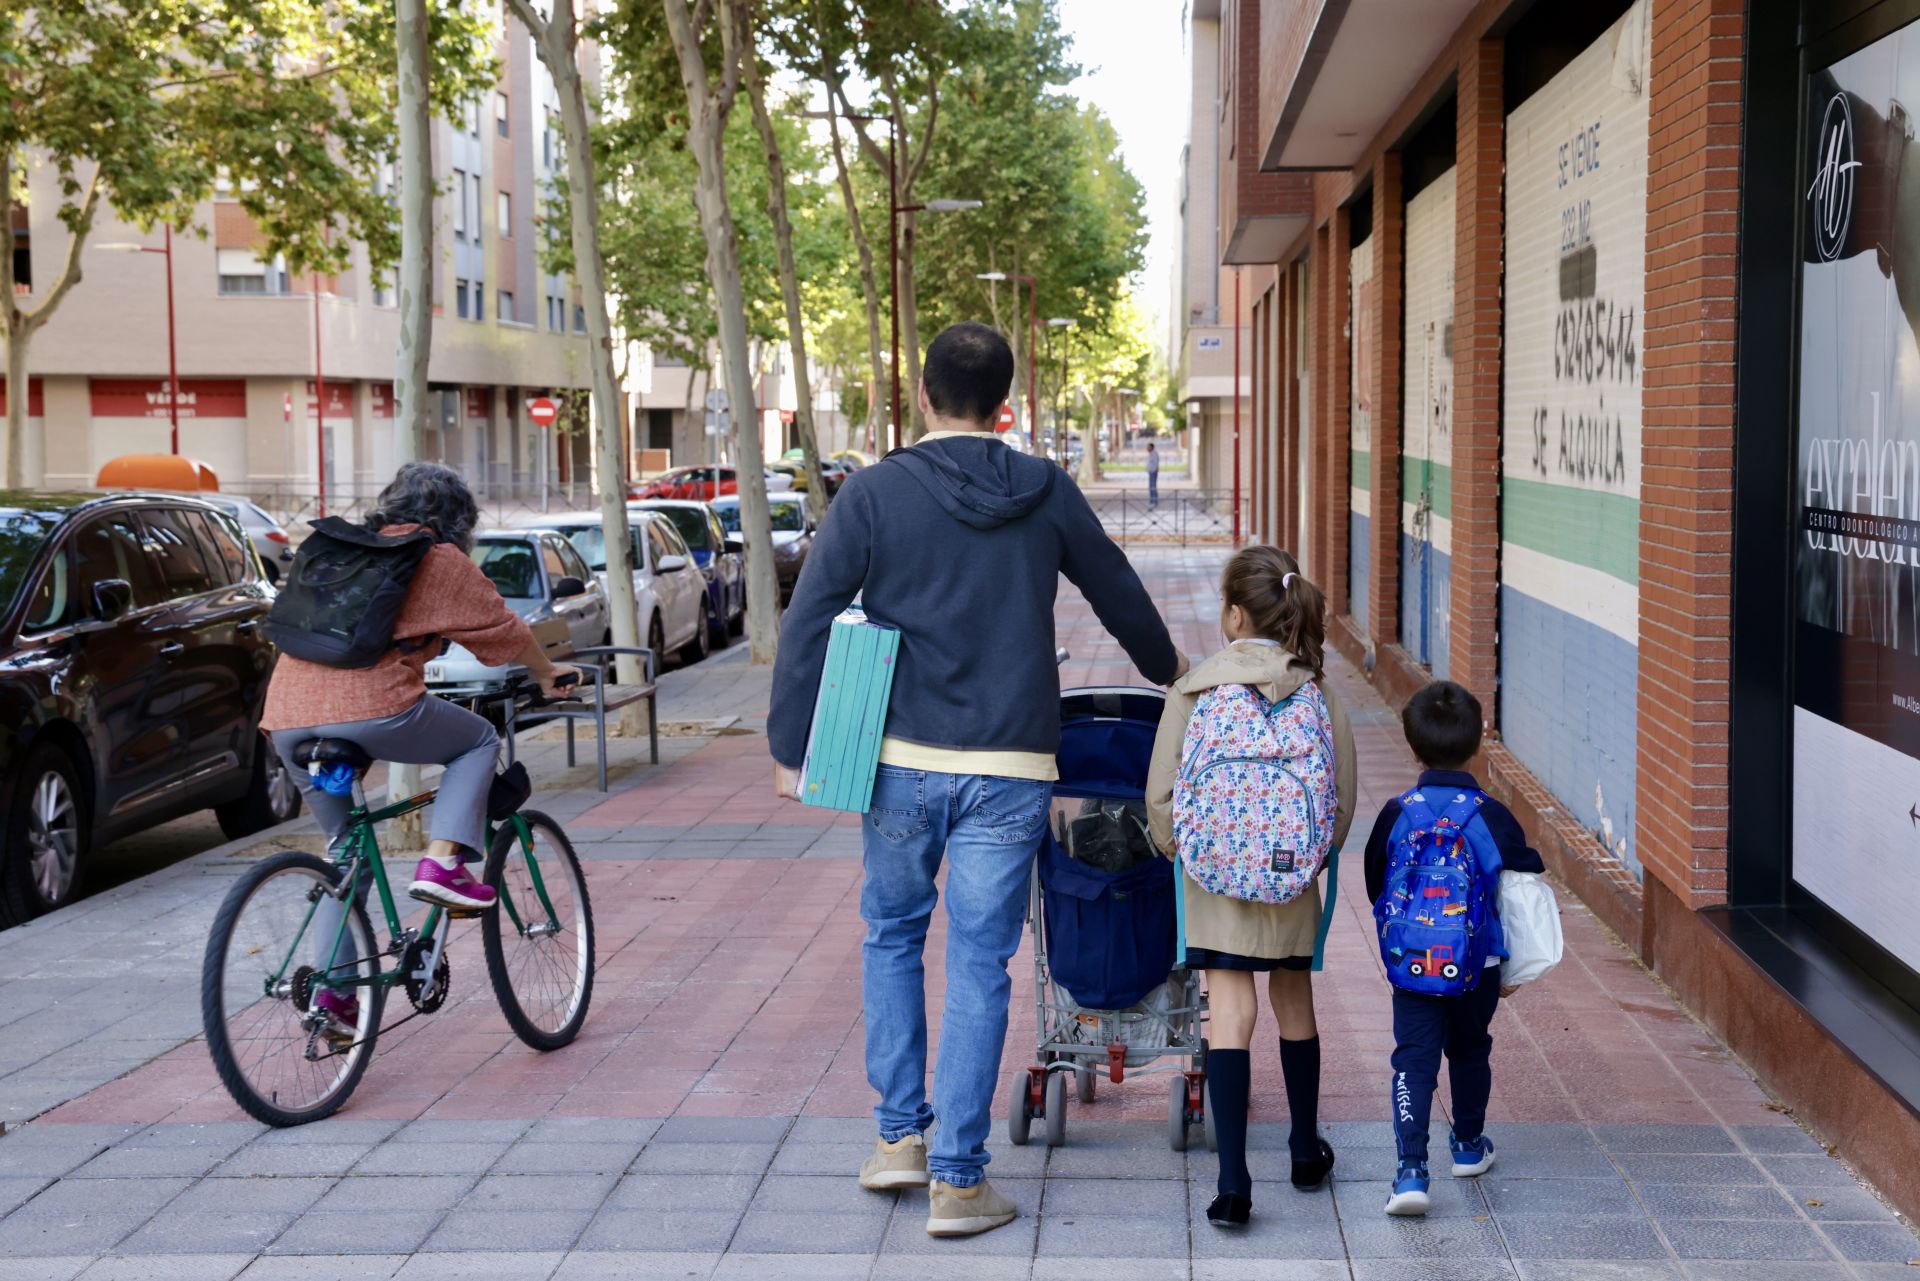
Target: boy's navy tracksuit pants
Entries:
(1424, 1027)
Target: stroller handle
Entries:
(1060, 657)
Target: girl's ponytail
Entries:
(1281, 604)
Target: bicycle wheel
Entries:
(539, 940)
(267, 959)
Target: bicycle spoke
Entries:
(545, 962)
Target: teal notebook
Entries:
(850, 714)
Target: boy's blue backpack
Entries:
(1438, 917)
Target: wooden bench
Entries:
(596, 665)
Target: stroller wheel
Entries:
(1056, 1104)
(1019, 1117)
(1083, 1084)
(1177, 1112)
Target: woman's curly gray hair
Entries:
(429, 494)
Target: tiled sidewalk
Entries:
(708, 1120)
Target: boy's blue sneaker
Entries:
(1409, 1199)
(1470, 1156)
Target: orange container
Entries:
(158, 471)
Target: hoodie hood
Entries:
(1274, 672)
(979, 482)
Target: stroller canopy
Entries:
(1106, 742)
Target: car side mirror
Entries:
(567, 585)
(736, 542)
(669, 563)
(112, 597)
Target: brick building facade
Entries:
(1527, 302)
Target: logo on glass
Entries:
(1831, 195)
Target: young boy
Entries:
(1442, 724)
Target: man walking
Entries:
(959, 542)
(1153, 476)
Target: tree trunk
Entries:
(18, 337)
(707, 110)
(909, 336)
(789, 280)
(864, 249)
(414, 179)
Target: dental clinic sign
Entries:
(1856, 675)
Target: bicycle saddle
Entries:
(327, 751)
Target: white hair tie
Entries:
(1286, 581)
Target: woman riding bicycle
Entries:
(385, 708)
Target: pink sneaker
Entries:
(456, 889)
(343, 1014)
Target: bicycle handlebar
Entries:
(516, 686)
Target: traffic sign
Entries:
(718, 422)
(544, 410)
(1005, 421)
(716, 398)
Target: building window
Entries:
(473, 205)
(504, 202)
(463, 303)
(554, 321)
(471, 116)
(22, 249)
(460, 204)
(579, 319)
(500, 125)
(506, 306)
(242, 272)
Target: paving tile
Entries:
(1512, 1198)
(480, 1265)
(128, 1162)
(1855, 1204)
(1144, 1198)
(1597, 1270)
(1778, 1139)
(857, 1130)
(1569, 1236)
(290, 1196)
(15, 1191)
(24, 1234)
(567, 1158)
(43, 1268)
(208, 1232)
(973, 1266)
(1683, 1139)
(429, 1158)
(685, 1192)
(1874, 1242)
(83, 1197)
(1810, 1172)
(622, 1229)
(1656, 1168)
(705, 1158)
(1451, 1198)
(1269, 1270)
(637, 1265)
(907, 1237)
(512, 1192)
(820, 1194)
(277, 1160)
(1761, 1270)
(343, 1130)
(723, 1129)
(435, 1130)
(786, 1232)
(1132, 1269)
(1384, 1238)
(1440, 1269)
(395, 1192)
(498, 1230)
(1732, 1239)
(364, 1267)
(1101, 1236)
(792, 1267)
(1576, 1162)
(1159, 1162)
(361, 1232)
(167, 1267)
(1270, 1201)
(591, 1129)
(1270, 1238)
(1708, 1201)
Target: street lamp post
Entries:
(1033, 312)
(1066, 368)
(319, 399)
(173, 364)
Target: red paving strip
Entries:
(732, 987)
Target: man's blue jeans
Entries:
(991, 829)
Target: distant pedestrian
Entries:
(959, 542)
(1153, 476)
(1251, 787)
(1433, 872)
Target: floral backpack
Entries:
(1254, 805)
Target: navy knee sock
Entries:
(1229, 1083)
(1300, 1067)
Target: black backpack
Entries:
(343, 595)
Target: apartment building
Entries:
(1581, 341)
(255, 344)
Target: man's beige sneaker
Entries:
(900, 1164)
(960, 1212)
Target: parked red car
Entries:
(698, 484)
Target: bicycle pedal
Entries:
(465, 913)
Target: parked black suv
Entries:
(132, 676)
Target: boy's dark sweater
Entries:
(1515, 854)
(960, 543)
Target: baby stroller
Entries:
(1105, 915)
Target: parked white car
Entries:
(669, 591)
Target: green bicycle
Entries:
(297, 926)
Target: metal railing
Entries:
(500, 505)
(1183, 517)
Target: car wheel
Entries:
(697, 648)
(657, 642)
(719, 634)
(47, 835)
(272, 797)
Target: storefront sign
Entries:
(339, 401)
(36, 398)
(1856, 735)
(149, 397)
(382, 399)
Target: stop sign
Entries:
(1005, 421)
(543, 410)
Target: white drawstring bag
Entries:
(1530, 922)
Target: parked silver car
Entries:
(542, 579)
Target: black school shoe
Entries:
(1308, 1175)
(1230, 1210)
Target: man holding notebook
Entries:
(959, 542)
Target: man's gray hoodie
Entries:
(960, 543)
